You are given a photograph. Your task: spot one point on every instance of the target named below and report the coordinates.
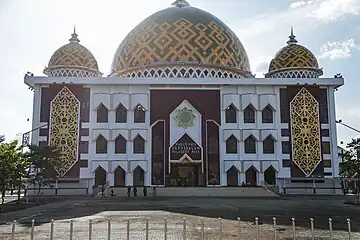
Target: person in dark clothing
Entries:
(113, 193)
(145, 191)
(102, 191)
(154, 192)
(135, 191)
(129, 190)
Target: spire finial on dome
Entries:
(180, 3)
(74, 37)
(292, 39)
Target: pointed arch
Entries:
(102, 114)
(267, 114)
(120, 114)
(119, 177)
(231, 114)
(139, 114)
(232, 145)
(100, 176)
(120, 144)
(251, 176)
(101, 144)
(138, 176)
(232, 177)
(139, 145)
(270, 176)
(269, 145)
(250, 145)
(249, 114)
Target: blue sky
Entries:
(32, 30)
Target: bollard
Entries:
(109, 229)
(184, 228)
(52, 229)
(71, 229)
(165, 228)
(239, 228)
(274, 223)
(202, 229)
(349, 227)
(90, 229)
(128, 229)
(32, 229)
(330, 228)
(257, 228)
(13, 230)
(312, 228)
(220, 228)
(293, 227)
(146, 229)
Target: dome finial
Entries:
(292, 39)
(180, 3)
(74, 37)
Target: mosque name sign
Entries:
(185, 145)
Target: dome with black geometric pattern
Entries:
(294, 61)
(181, 41)
(72, 60)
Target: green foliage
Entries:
(350, 164)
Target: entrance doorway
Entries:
(270, 176)
(185, 175)
(138, 177)
(233, 177)
(251, 176)
(100, 176)
(119, 177)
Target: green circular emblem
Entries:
(185, 117)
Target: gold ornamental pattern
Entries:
(180, 40)
(73, 55)
(293, 56)
(305, 131)
(64, 129)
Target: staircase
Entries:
(202, 192)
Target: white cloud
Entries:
(338, 49)
(328, 10)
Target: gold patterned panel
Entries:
(73, 55)
(305, 131)
(187, 35)
(64, 129)
(294, 56)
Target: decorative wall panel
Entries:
(64, 129)
(305, 131)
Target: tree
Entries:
(350, 165)
(41, 158)
(2, 138)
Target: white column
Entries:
(36, 114)
(110, 178)
(333, 131)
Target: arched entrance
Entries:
(270, 176)
(233, 177)
(138, 176)
(119, 177)
(251, 176)
(100, 176)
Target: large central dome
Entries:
(181, 41)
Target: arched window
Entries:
(139, 114)
(121, 114)
(101, 144)
(231, 145)
(249, 114)
(250, 145)
(139, 145)
(102, 114)
(267, 115)
(269, 145)
(230, 114)
(120, 144)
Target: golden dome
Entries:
(294, 59)
(181, 36)
(72, 60)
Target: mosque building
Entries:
(182, 108)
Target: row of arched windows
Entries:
(249, 114)
(120, 145)
(250, 145)
(102, 114)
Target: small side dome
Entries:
(72, 60)
(294, 61)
